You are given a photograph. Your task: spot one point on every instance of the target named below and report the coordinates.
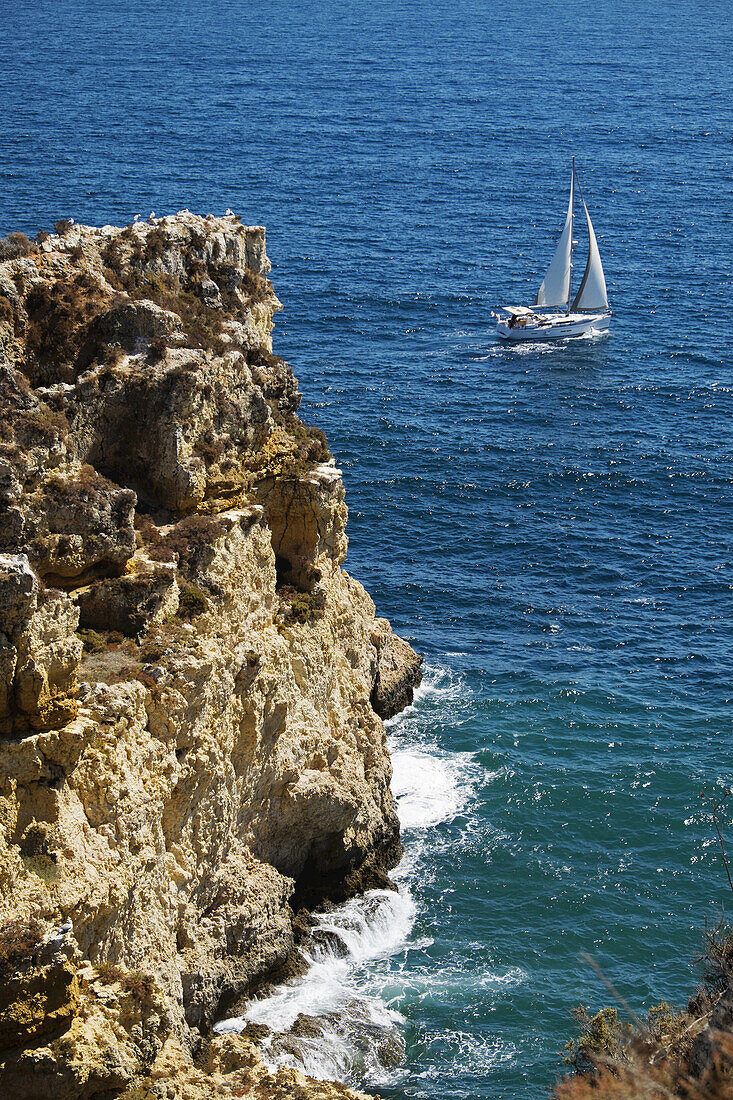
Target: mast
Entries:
(572, 230)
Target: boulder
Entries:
(398, 672)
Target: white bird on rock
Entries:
(64, 931)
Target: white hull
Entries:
(553, 326)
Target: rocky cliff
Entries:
(191, 686)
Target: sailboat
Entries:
(555, 314)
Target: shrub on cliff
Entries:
(192, 602)
(109, 972)
(192, 539)
(138, 984)
(300, 607)
(20, 941)
(256, 287)
(155, 243)
(148, 535)
(7, 315)
(602, 1037)
(59, 340)
(672, 1053)
(14, 245)
(202, 323)
(21, 429)
(94, 642)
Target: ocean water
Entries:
(550, 525)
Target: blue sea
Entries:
(549, 525)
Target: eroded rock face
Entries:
(39, 651)
(399, 671)
(216, 754)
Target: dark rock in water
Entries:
(307, 1027)
(303, 921)
(256, 1032)
(316, 889)
(329, 942)
(391, 1052)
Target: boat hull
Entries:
(559, 326)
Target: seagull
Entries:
(64, 931)
(136, 218)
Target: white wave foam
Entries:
(352, 1022)
(470, 1055)
(429, 787)
(352, 1029)
(441, 683)
(374, 926)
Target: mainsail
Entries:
(555, 289)
(592, 290)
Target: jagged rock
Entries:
(38, 998)
(211, 294)
(78, 526)
(307, 516)
(325, 941)
(103, 1033)
(175, 431)
(399, 671)
(39, 651)
(128, 604)
(225, 757)
(18, 594)
(133, 325)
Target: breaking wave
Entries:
(341, 1020)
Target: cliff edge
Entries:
(192, 688)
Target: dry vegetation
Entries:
(193, 601)
(132, 266)
(300, 607)
(15, 245)
(138, 984)
(669, 1054)
(60, 337)
(20, 941)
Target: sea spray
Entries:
(341, 1020)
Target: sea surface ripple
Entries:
(550, 525)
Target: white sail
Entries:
(555, 289)
(592, 290)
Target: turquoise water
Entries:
(549, 525)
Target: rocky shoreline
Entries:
(192, 750)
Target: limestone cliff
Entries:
(191, 686)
